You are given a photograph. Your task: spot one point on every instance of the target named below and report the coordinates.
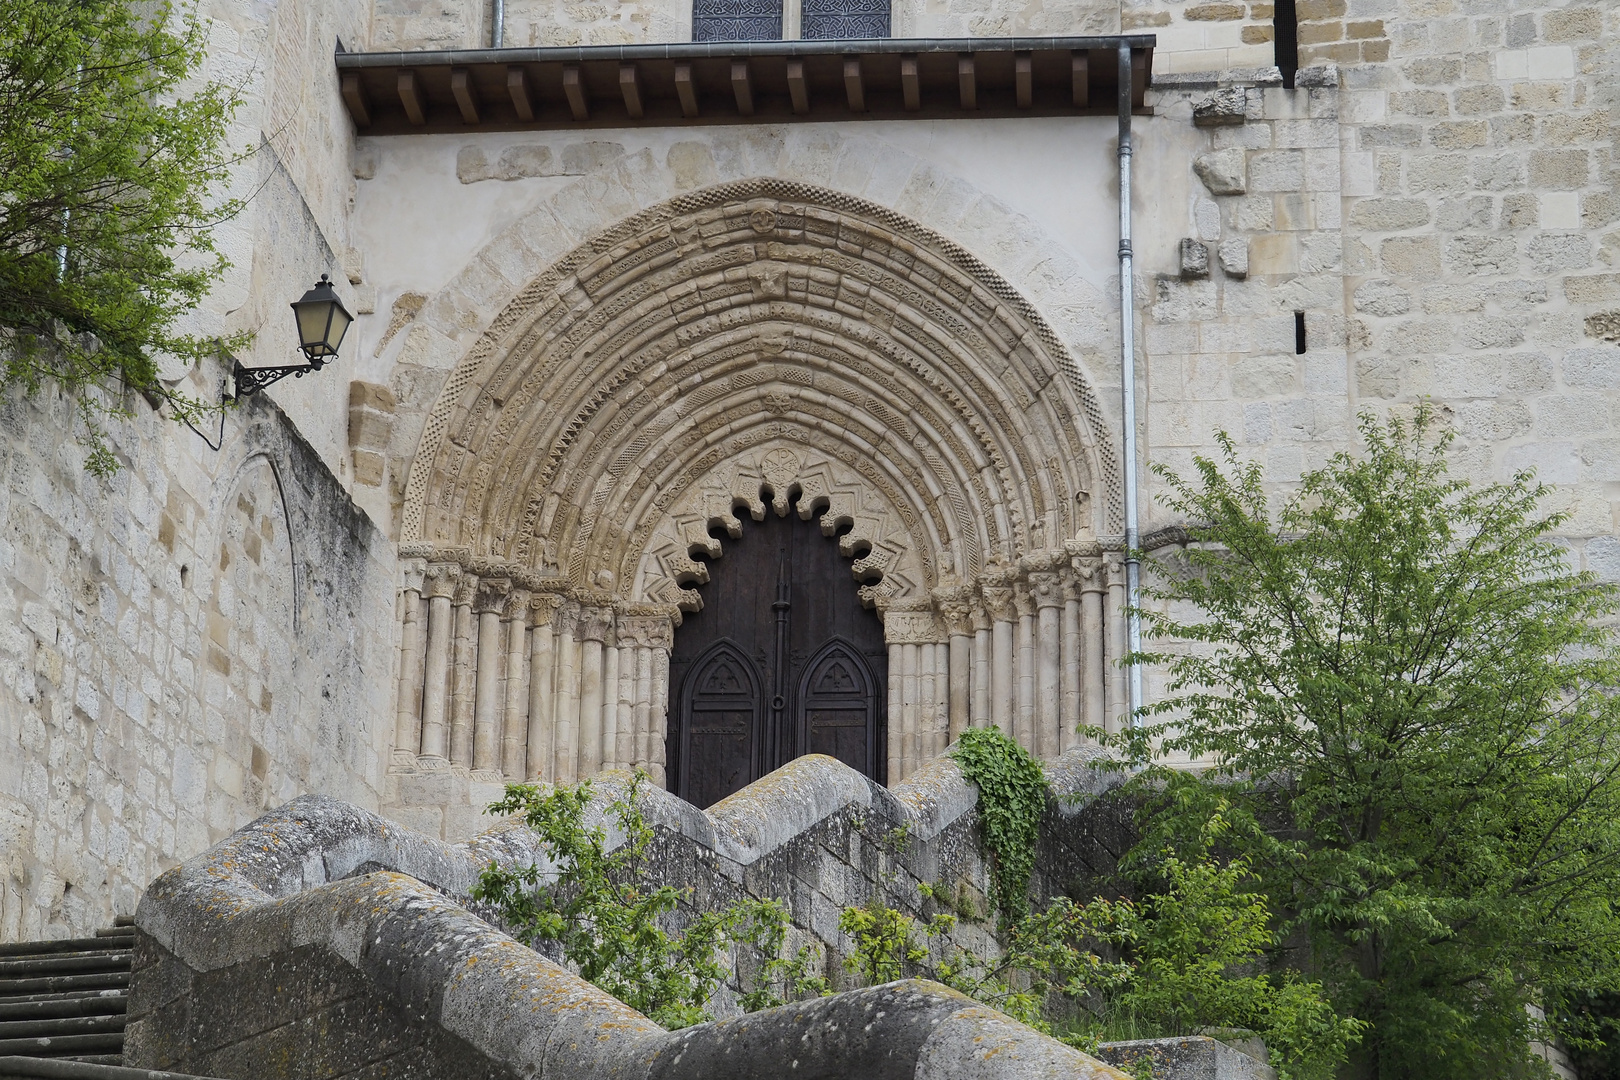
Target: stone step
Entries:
(56, 984)
(87, 1067)
(20, 949)
(71, 964)
(64, 1045)
(95, 1003)
(61, 1025)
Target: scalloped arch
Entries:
(653, 366)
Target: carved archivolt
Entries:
(876, 536)
(607, 416)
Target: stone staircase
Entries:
(65, 1000)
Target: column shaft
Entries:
(1048, 680)
(643, 706)
(1095, 678)
(1024, 717)
(542, 665)
(515, 729)
(1003, 665)
(464, 666)
(408, 706)
(1069, 718)
(436, 677)
(979, 716)
(1115, 633)
(897, 713)
(487, 710)
(961, 665)
(610, 707)
(566, 735)
(660, 716)
(590, 707)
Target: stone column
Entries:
(542, 694)
(515, 726)
(1090, 578)
(944, 699)
(566, 713)
(922, 744)
(464, 666)
(979, 711)
(440, 586)
(408, 703)
(639, 635)
(1069, 713)
(1046, 590)
(660, 714)
(909, 702)
(593, 632)
(1003, 655)
(1024, 718)
(1115, 633)
(610, 702)
(896, 718)
(489, 701)
(624, 747)
(955, 611)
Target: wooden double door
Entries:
(782, 661)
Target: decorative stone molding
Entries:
(646, 631)
(708, 340)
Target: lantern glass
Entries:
(322, 321)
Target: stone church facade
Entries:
(625, 312)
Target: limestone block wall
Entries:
(184, 645)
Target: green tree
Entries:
(108, 167)
(1409, 698)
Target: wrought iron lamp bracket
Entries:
(251, 380)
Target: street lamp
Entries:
(322, 322)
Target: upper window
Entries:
(736, 20)
(832, 19)
(761, 20)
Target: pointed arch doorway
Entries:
(782, 661)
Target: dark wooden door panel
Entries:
(782, 661)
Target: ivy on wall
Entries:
(1012, 798)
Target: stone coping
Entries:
(388, 902)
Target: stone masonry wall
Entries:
(190, 644)
(322, 942)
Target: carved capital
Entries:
(440, 579)
(1114, 565)
(412, 571)
(1088, 574)
(491, 595)
(646, 631)
(466, 590)
(567, 619)
(595, 624)
(545, 605)
(910, 628)
(516, 608)
(955, 605)
(1001, 602)
(1046, 588)
(1023, 599)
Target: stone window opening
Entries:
(1285, 41)
(762, 20)
(1299, 333)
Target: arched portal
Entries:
(606, 437)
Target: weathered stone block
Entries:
(1194, 1057)
(1409, 257)
(1559, 170)
(1389, 215)
(1194, 259)
(1222, 108)
(1234, 255)
(1282, 170)
(1224, 172)
(1482, 255)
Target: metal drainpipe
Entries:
(1127, 350)
(498, 19)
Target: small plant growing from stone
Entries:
(610, 923)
